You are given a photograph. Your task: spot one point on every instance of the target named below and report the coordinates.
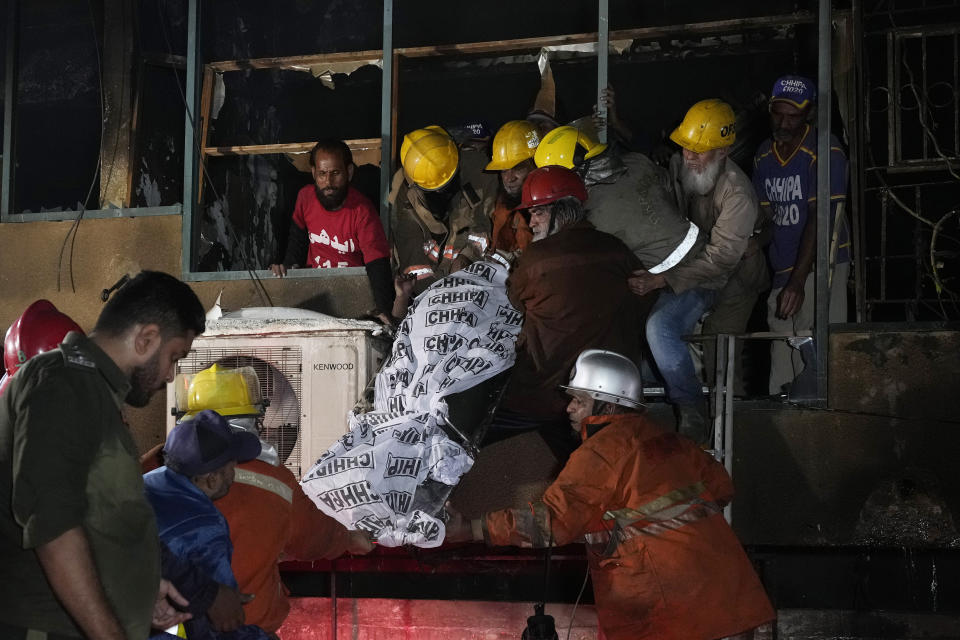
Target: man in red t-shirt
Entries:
(334, 225)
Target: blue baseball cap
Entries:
(206, 442)
(796, 90)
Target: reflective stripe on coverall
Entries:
(269, 517)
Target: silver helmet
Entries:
(608, 377)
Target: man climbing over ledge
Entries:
(723, 276)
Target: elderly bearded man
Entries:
(725, 276)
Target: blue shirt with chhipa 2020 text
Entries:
(788, 186)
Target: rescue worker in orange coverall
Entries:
(513, 149)
(648, 502)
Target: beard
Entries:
(145, 380)
(331, 199)
(701, 182)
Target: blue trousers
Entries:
(673, 316)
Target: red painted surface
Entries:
(383, 619)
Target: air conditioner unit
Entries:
(311, 371)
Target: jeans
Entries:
(673, 316)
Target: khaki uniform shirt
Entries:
(640, 209)
(727, 216)
(68, 460)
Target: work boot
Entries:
(693, 422)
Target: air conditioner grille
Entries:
(280, 372)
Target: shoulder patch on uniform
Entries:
(77, 360)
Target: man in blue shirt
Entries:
(785, 178)
(201, 455)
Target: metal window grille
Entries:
(925, 119)
(911, 95)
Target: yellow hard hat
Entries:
(515, 142)
(229, 392)
(429, 157)
(560, 146)
(709, 124)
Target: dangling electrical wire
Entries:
(887, 190)
(573, 613)
(921, 116)
(71, 235)
(258, 283)
(541, 626)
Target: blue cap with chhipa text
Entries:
(795, 90)
(206, 442)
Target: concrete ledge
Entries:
(808, 477)
(907, 372)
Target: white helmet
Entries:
(608, 377)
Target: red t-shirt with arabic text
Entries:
(351, 236)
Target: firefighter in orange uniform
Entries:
(513, 149)
(270, 517)
(648, 502)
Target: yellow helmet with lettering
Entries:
(429, 157)
(560, 146)
(515, 142)
(709, 124)
(229, 392)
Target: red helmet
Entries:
(40, 328)
(549, 184)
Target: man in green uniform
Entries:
(78, 540)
